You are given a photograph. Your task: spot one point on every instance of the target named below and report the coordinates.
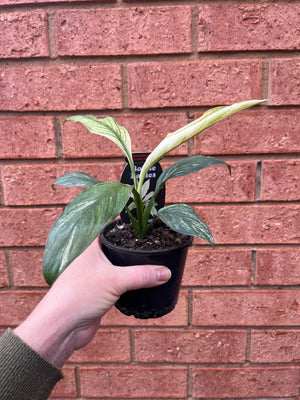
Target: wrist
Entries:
(48, 334)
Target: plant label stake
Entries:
(152, 176)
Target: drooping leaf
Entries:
(107, 127)
(80, 224)
(77, 179)
(175, 139)
(186, 166)
(183, 219)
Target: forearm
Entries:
(24, 374)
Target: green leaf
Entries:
(183, 219)
(107, 127)
(80, 224)
(186, 166)
(77, 179)
(175, 139)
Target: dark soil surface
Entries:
(160, 237)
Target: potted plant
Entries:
(102, 202)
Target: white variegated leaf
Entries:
(107, 127)
(183, 219)
(175, 139)
(80, 224)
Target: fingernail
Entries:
(163, 274)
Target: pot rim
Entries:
(125, 250)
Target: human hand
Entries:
(68, 316)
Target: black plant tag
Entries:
(152, 175)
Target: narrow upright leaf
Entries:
(183, 219)
(80, 224)
(175, 139)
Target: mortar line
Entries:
(258, 180)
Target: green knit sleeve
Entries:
(24, 374)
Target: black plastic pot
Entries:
(151, 302)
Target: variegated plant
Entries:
(102, 202)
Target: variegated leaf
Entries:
(183, 219)
(186, 166)
(80, 224)
(76, 179)
(107, 127)
(175, 139)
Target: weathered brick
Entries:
(120, 31)
(251, 224)
(278, 266)
(245, 308)
(246, 382)
(190, 346)
(10, 2)
(18, 133)
(67, 386)
(271, 346)
(24, 34)
(133, 382)
(3, 270)
(178, 317)
(107, 346)
(236, 27)
(27, 268)
(284, 81)
(194, 83)
(65, 87)
(217, 267)
(280, 180)
(248, 132)
(15, 306)
(22, 183)
(215, 184)
(26, 227)
(146, 132)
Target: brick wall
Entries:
(154, 66)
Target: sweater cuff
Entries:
(24, 373)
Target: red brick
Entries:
(215, 184)
(255, 131)
(18, 133)
(245, 382)
(270, 346)
(194, 83)
(106, 346)
(133, 382)
(26, 227)
(146, 132)
(27, 268)
(178, 317)
(67, 386)
(236, 27)
(3, 270)
(120, 31)
(22, 183)
(284, 81)
(10, 2)
(65, 87)
(190, 346)
(246, 308)
(15, 306)
(217, 267)
(251, 224)
(278, 266)
(280, 180)
(24, 34)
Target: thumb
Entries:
(142, 276)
